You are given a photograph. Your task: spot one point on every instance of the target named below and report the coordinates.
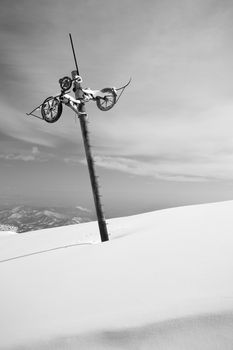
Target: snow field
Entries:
(163, 281)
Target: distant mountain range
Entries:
(25, 218)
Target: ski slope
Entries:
(163, 281)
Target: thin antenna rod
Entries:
(75, 60)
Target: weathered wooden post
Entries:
(90, 162)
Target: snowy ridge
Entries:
(164, 281)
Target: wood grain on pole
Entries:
(90, 162)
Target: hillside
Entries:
(29, 218)
(163, 281)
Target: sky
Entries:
(167, 142)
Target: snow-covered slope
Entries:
(164, 281)
(4, 234)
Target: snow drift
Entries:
(164, 281)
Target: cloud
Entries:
(35, 150)
(71, 160)
(27, 156)
(83, 209)
(15, 156)
(197, 144)
(212, 169)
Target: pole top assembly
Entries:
(51, 108)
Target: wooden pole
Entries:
(90, 162)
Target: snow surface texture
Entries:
(163, 281)
(4, 234)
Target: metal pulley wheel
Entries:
(51, 109)
(65, 83)
(108, 100)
